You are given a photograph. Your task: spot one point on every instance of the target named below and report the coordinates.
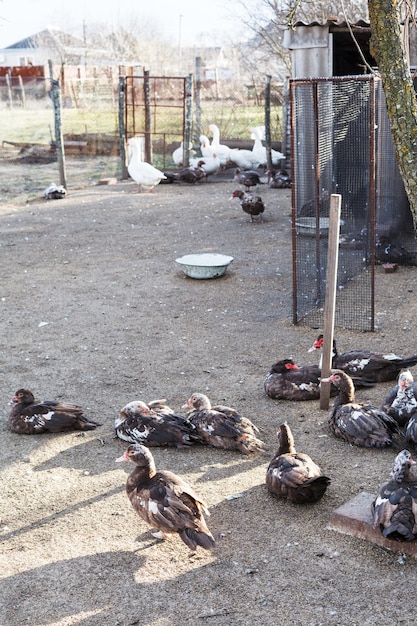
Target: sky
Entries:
(184, 22)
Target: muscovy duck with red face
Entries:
(373, 366)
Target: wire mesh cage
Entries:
(341, 143)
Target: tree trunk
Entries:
(386, 48)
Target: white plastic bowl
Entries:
(204, 265)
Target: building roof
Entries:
(49, 37)
(336, 22)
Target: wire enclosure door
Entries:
(333, 151)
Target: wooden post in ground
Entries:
(59, 138)
(9, 89)
(22, 91)
(330, 296)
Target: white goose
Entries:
(259, 149)
(144, 174)
(178, 154)
(220, 149)
(205, 146)
(211, 164)
(243, 159)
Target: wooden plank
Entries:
(330, 296)
(355, 518)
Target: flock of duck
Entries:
(170, 505)
(214, 158)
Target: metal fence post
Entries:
(188, 117)
(198, 96)
(122, 126)
(268, 122)
(148, 125)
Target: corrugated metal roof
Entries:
(331, 22)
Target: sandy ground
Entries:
(95, 310)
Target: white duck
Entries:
(144, 174)
(220, 149)
(259, 150)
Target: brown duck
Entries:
(363, 425)
(30, 418)
(394, 510)
(294, 475)
(165, 501)
(252, 205)
(288, 381)
(222, 426)
(373, 366)
(154, 424)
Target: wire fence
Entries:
(90, 126)
(28, 155)
(333, 152)
(341, 143)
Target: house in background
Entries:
(52, 44)
(220, 68)
(83, 71)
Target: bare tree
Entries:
(388, 50)
(388, 46)
(267, 20)
(137, 42)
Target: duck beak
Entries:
(122, 458)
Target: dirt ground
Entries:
(95, 310)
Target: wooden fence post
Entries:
(9, 89)
(59, 139)
(22, 91)
(330, 296)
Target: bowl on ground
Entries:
(204, 265)
(308, 226)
